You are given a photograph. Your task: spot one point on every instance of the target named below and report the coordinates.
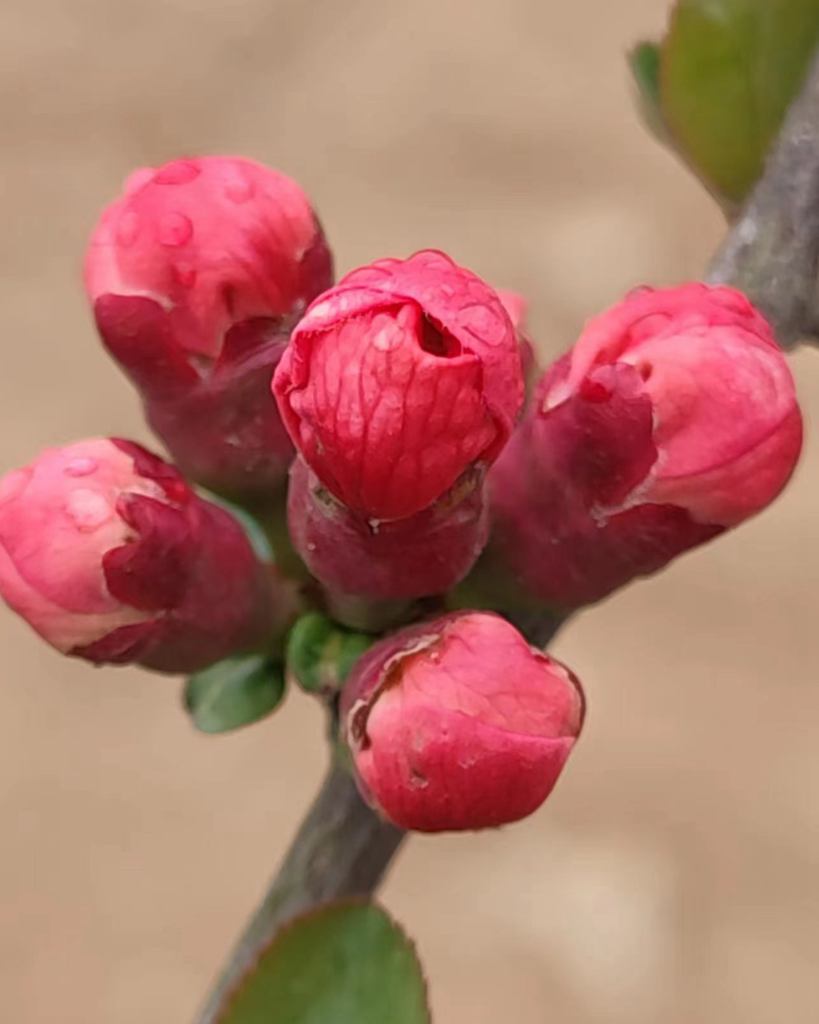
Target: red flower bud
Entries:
(398, 559)
(459, 723)
(517, 307)
(673, 418)
(110, 556)
(197, 275)
(398, 380)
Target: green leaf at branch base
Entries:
(644, 61)
(342, 964)
(234, 692)
(729, 69)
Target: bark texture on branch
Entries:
(772, 250)
(341, 850)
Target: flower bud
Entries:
(399, 559)
(673, 418)
(197, 275)
(109, 555)
(459, 724)
(399, 380)
(518, 308)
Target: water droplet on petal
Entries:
(238, 188)
(128, 228)
(88, 510)
(185, 275)
(175, 229)
(14, 483)
(136, 179)
(81, 466)
(386, 339)
(178, 172)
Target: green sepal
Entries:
(320, 653)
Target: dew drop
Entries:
(178, 172)
(14, 483)
(239, 189)
(175, 229)
(185, 276)
(88, 510)
(137, 179)
(81, 466)
(386, 339)
(128, 228)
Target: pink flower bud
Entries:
(673, 418)
(110, 556)
(399, 559)
(459, 724)
(398, 380)
(518, 308)
(197, 275)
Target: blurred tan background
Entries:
(674, 876)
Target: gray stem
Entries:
(772, 250)
(342, 849)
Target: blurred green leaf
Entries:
(320, 653)
(259, 540)
(729, 70)
(234, 692)
(644, 61)
(341, 964)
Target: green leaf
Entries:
(341, 964)
(234, 692)
(644, 61)
(729, 70)
(320, 653)
(256, 535)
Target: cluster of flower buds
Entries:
(393, 399)
(672, 419)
